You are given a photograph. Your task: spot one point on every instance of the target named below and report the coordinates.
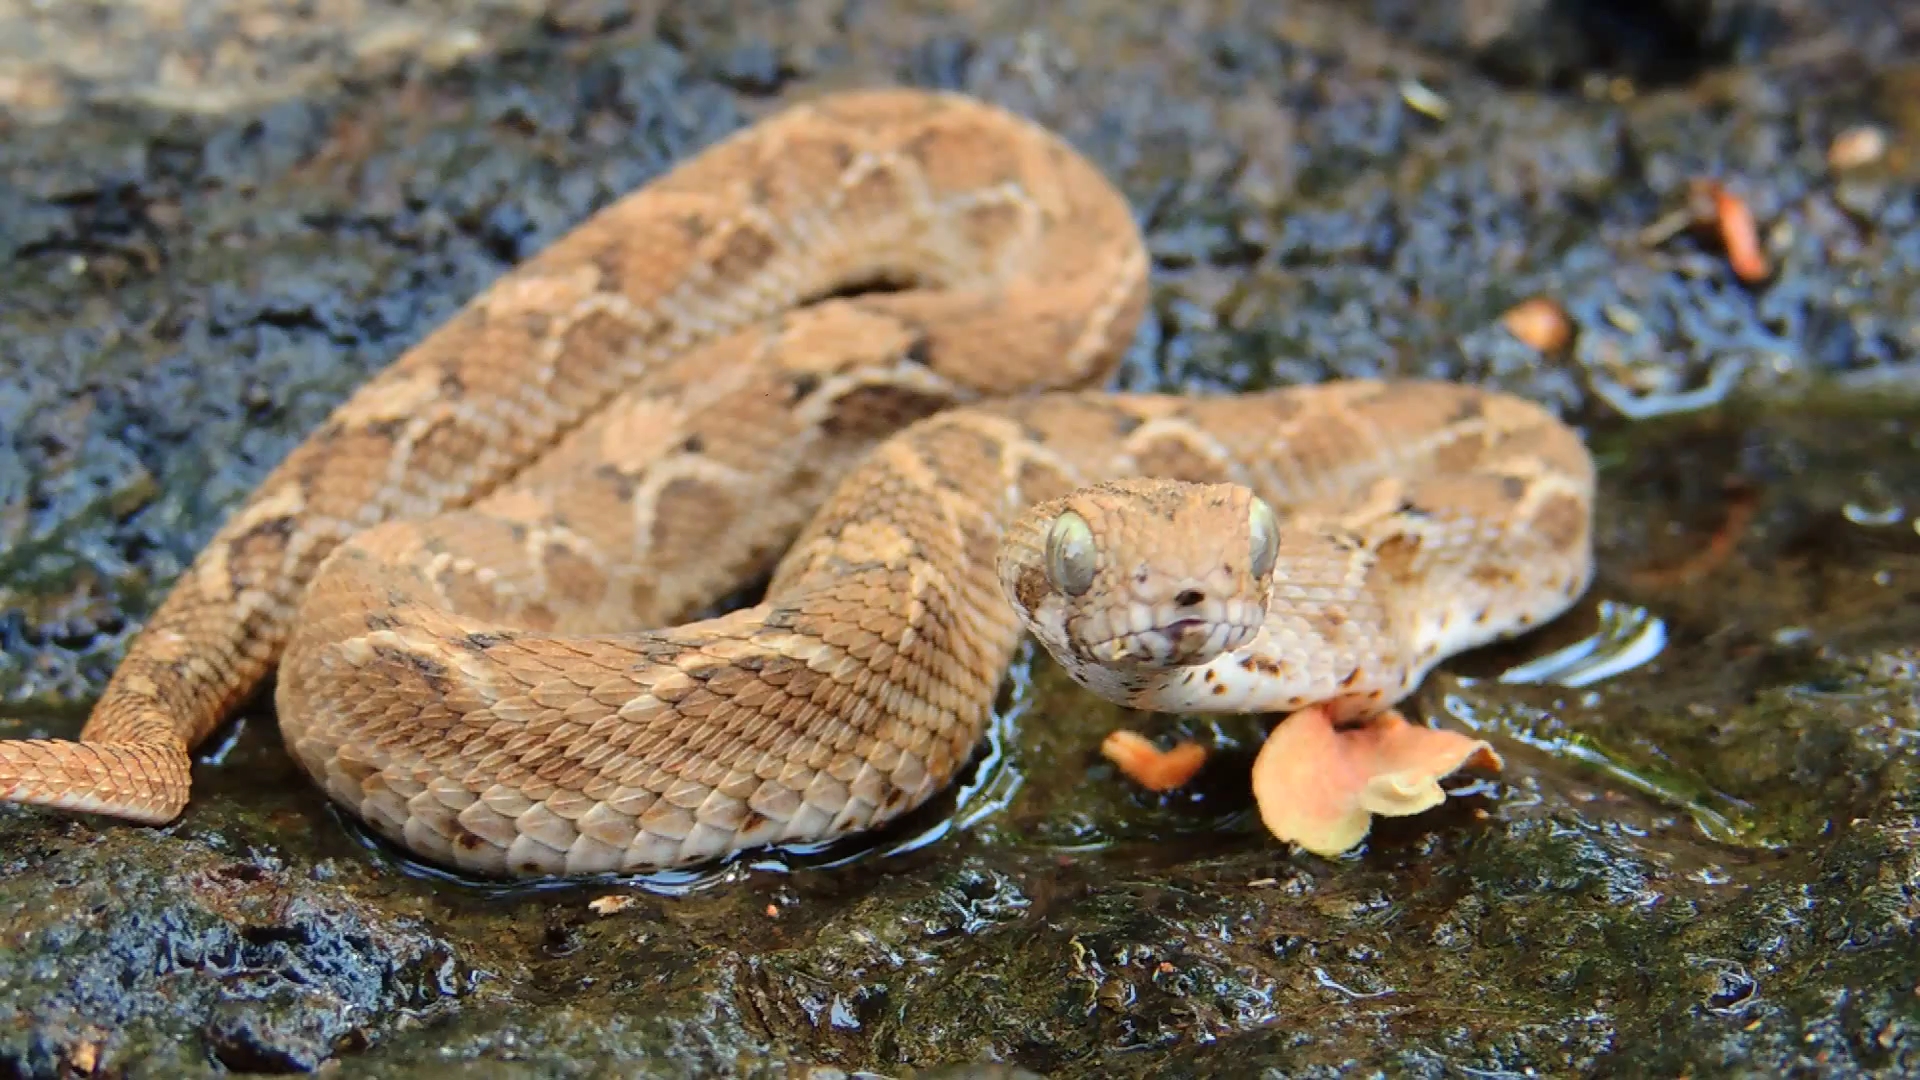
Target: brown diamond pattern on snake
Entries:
(738, 253)
(449, 433)
(1552, 446)
(866, 413)
(571, 575)
(1561, 520)
(1318, 445)
(1460, 454)
(644, 252)
(962, 161)
(1416, 405)
(335, 476)
(994, 223)
(484, 597)
(876, 188)
(580, 369)
(260, 547)
(787, 182)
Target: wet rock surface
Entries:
(1700, 859)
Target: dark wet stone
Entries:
(753, 68)
(242, 960)
(1704, 865)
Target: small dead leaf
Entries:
(1540, 323)
(1148, 765)
(610, 905)
(1424, 101)
(1857, 147)
(1739, 235)
(1320, 787)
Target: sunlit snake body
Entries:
(701, 383)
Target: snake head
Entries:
(1142, 574)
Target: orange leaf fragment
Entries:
(1148, 765)
(1319, 787)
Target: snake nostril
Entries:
(1189, 598)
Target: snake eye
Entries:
(1070, 554)
(1264, 526)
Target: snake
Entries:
(858, 350)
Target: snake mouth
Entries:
(1174, 644)
(1188, 641)
(1145, 636)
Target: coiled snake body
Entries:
(851, 345)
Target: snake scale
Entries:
(854, 346)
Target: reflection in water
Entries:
(1722, 817)
(1628, 636)
(1876, 505)
(1720, 383)
(987, 786)
(216, 751)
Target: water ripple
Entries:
(1628, 637)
